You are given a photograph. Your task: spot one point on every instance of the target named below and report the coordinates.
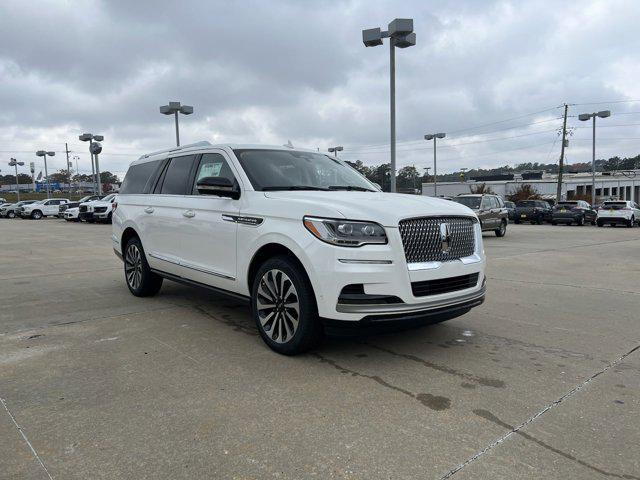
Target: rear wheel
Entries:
(284, 307)
(580, 221)
(142, 282)
(502, 229)
(539, 220)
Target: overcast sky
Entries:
(272, 71)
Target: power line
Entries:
(503, 121)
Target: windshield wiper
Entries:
(294, 187)
(350, 187)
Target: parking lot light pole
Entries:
(174, 108)
(44, 153)
(434, 137)
(94, 149)
(15, 163)
(335, 150)
(400, 34)
(583, 117)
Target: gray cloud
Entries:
(271, 71)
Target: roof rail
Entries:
(203, 143)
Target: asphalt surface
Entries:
(542, 381)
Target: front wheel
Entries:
(142, 282)
(631, 222)
(580, 221)
(36, 214)
(284, 308)
(502, 230)
(11, 215)
(600, 224)
(539, 220)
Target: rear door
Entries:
(485, 214)
(168, 198)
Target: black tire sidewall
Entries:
(309, 331)
(151, 282)
(36, 214)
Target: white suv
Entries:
(618, 211)
(301, 235)
(42, 208)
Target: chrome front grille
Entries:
(423, 242)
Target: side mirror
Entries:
(220, 186)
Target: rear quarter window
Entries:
(137, 177)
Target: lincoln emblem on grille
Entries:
(445, 237)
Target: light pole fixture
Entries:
(583, 117)
(400, 34)
(14, 163)
(94, 149)
(434, 137)
(335, 150)
(173, 109)
(44, 153)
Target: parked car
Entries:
(490, 209)
(72, 214)
(619, 212)
(65, 206)
(511, 210)
(304, 238)
(3, 200)
(42, 208)
(534, 211)
(103, 209)
(573, 211)
(86, 208)
(8, 210)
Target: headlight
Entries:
(345, 233)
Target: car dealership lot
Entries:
(107, 385)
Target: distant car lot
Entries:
(106, 385)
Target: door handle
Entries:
(189, 214)
(148, 210)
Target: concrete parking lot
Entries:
(542, 381)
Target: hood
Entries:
(384, 208)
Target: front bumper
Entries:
(101, 216)
(382, 271)
(85, 216)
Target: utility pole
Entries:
(561, 165)
(66, 150)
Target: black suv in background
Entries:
(571, 211)
(511, 210)
(534, 211)
(490, 210)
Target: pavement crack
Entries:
(24, 437)
(516, 430)
(492, 418)
(434, 402)
(485, 381)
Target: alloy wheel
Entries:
(277, 305)
(133, 266)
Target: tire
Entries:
(631, 222)
(36, 214)
(142, 282)
(11, 215)
(516, 221)
(580, 221)
(90, 220)
(502, 230)
(599, 223)
(286, 330)
(593, 222)
(108, 220)
(539, 221)
(554, 222)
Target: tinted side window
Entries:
(212, 165)
(137, 177)
(177, 175)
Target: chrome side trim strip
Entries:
(365, 262)
(190, 266)
(410, 308)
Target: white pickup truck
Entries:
(42, 208)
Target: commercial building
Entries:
(622, 185)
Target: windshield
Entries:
(295, 170)
(526, 203)
(471, 202)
